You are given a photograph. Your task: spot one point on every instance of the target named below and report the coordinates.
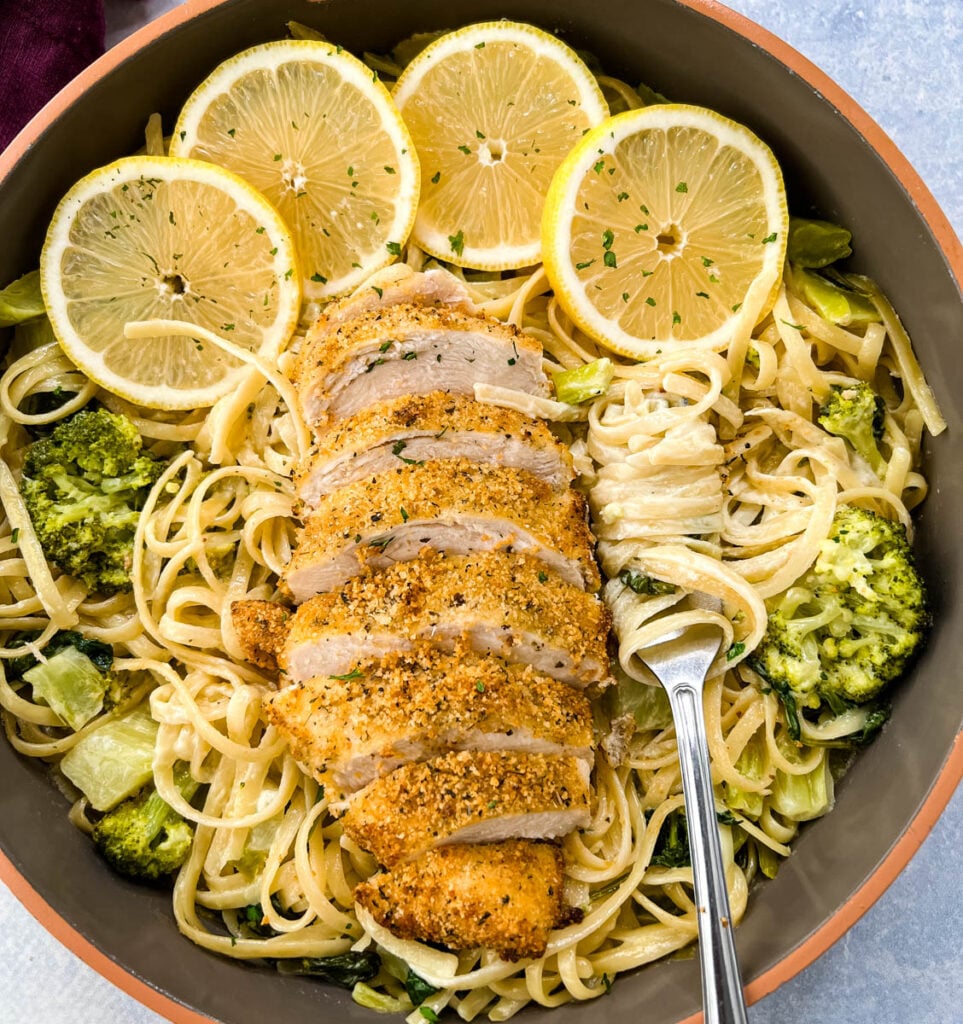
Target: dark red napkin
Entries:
(43, 44)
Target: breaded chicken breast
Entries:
(411, 349)
(388, 711)
(498, 602)
(504, 896)
(399, 284)
(438, 425)
(262, 628)
(468, 797)
(455, 506)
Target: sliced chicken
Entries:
(433, 426)
(262, 628)
(386, 712)
(456, 506)
(468, 797)
(503, 896)
(498, 602)
(399, 284)
(411, 349)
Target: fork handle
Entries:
(722, 997)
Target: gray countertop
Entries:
(902, 963)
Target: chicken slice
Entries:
(262, 628)
(411, 349)
(498, 602)
(456, 506)
(468, 797)
(398, 284)
(503, 896)
(412, 707)
(433, 426)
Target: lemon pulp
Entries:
(313, 130)
(155, 237)
(666, 225)
(493, 108)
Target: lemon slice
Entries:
(493, 108)
(312, 128)
(156, 237)
(666, 224)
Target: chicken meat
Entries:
(438, 425)
(410, 349)
(348, 731)
(453, 505)
(497, 602)
(399, 284)
(468, 797)
(504, 896)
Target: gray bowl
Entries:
(694, 52)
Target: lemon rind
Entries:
(556, 233)
(156, 395)
(273, 55)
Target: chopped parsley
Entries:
(355, 673)
(735, 650)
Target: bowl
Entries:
(838, 165)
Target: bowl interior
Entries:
(831, 170)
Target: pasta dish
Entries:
(706, 469)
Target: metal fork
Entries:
(680, 662)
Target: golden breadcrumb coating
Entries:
(442, 423)
(428, 288)
(468, 796)
(450, 504)
(261, 627)
(324, 351)
(500, 601)
(450, 344)
(406, 707)
(503, 896)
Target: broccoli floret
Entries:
(851, 625)
(856, 413)
(84, 487)
(144, 838)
